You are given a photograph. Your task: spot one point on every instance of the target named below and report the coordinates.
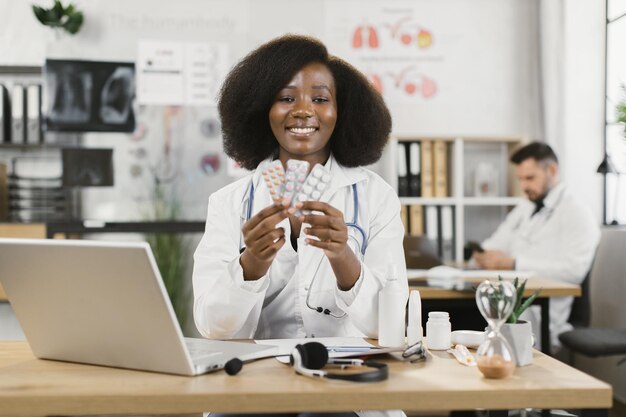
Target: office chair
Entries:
(580, 315)
(610, 337)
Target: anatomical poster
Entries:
(392, 43)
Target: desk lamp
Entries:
(607, 167)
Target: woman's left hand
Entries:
(332, 233)
(328, 227)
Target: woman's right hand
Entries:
(263, 241)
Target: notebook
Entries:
(104, 303)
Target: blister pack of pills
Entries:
(314, 186)
(274, 176)
(462, 355)
(294, 179)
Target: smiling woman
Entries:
(254, 86)
(304, 115)
(290, 100)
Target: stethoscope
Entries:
(248, 204)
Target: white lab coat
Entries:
(227, 307)
(558, 242)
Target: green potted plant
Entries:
(58, 16)
(170, 250)
(518, 332)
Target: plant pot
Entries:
(520, 338)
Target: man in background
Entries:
(551, 233)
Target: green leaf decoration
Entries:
(68, 18)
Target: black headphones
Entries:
(308, 359)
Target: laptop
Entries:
(420, 253)
(104, 303)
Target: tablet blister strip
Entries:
(294, 179)
(314, 186)
(274, 176)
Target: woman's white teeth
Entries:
(302, 130)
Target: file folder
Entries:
(427, 168)
(415, 179)
(403, 175)
(34, 132)
(416, 220)
(447, 233)
(18, 114)
(440, 169)
(5, 115)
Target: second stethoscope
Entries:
(248, 204)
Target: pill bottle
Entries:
(438, 331)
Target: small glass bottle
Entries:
(438, 331)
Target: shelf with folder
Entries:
(21, 105)
(452, 189)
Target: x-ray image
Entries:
(90, 96)
(70, 96)
(116, 97)
(84, 167)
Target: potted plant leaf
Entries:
(67, 18)
(170, 250)
(518, 332)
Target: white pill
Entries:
(315, 195)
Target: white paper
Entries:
(206, 66)
(180, 73)
(160, 78)
(476, 273)
(337, 346)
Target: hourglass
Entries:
(495, 302)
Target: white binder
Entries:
(33, 114)
(18, 115)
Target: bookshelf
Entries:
(473, 187)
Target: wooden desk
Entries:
(37, 387)
(549, 288)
